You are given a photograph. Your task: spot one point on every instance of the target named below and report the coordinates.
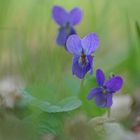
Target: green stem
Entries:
(81, 85)
(109, 112)
(81, 88)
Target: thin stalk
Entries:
(81, 88)
(109, 112)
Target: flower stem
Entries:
(109, 112)
(81, 85)
(81, 88)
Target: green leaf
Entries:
(51, 123)
(65, 105)
(68, 104)
(26, 99)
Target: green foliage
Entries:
(51, 123)
(28, 49)
(65, 105)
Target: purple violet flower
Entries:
(106, 88)
(67, 21)
(82, 50)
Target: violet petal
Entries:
(59, 15)
(100, 77)
(73, 45)
(93, 93)
(101, 99)
(75, 16)
(114, 83)
(90, 43)
(80, 69)
(61, 37)
(109, 100)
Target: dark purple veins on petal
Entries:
(73, 45)
(90, 43)
(79, 68)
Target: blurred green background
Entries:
(28, 50)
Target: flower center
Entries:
(104, 90)
(83, 60)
